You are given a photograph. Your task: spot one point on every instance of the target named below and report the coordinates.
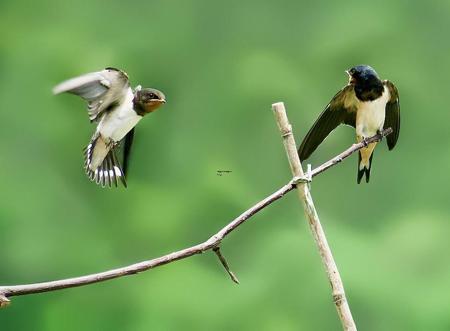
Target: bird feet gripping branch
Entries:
(366, 140)
(381, 134)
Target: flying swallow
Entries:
(366, 103)
(116, 109)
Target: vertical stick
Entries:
(304, 195)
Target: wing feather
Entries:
(127, 150)
(340, 110)
(100, 89)
(392, 119)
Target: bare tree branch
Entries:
(213, 242)
(304, 195)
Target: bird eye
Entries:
(153, 96)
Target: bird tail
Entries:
(101, 163)
(364, 166)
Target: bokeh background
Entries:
(222, 65)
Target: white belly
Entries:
(370, 115)
(118, 123)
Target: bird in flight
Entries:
(366, 103)
(116, 109)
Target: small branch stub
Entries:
(225, 264)
(4, 301)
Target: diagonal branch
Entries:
(16, 290)
(305, 198)
(355, 147)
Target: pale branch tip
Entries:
(212, 243)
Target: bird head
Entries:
(362, 74)
(147, 100)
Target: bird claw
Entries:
(365, 142)
(380, 133)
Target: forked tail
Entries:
(364, 166)
(101, 163)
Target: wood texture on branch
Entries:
(213, 242)
(339, 298)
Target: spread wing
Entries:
(340, 110)
(392, 119)
(101, 89)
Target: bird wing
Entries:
(340, 110)
(392, 119)
(127, 150)
(102, 89)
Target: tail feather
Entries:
(364, 168)
(101, 164)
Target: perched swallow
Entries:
(116, 109)
(368, 104)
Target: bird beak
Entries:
(159, 100)
(351, 79)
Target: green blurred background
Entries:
(221, 65)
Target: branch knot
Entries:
(338, 299)
(286, 131)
